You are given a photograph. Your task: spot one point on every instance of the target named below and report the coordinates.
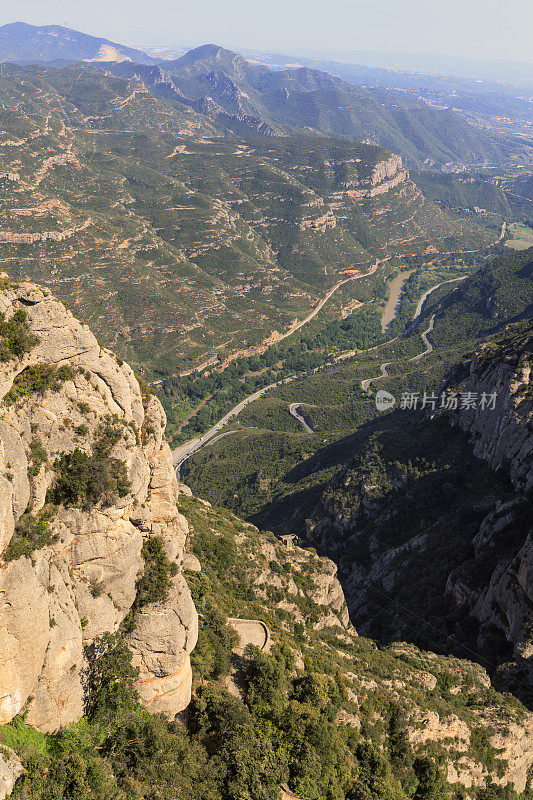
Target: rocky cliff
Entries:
(85, 478)
(501, 433)
(448, 703)
(429, 525)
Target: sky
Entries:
(479, 29)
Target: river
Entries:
(393, 303)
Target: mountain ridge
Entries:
(24, 43)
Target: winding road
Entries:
(184, 451)
(293, 410)
(424, 298)
(384, 374)
(429, 347)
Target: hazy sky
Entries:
(486, 29)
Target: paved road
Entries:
(429, 347)
(184, 451)
(426, 295)
(384, 374)
(293, 410)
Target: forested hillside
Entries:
(179, 247)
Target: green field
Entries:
(522, 236)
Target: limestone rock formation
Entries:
(10, 770)
(500, 430)
(82, 582)
(501, 434)
(493, 586)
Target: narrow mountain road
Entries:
(429, 346)
(184, 451)
(293, 328)
(425, 297)
(325, 299)
(384, 374)
(293, 411)
(365, 384)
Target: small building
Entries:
(288, 540)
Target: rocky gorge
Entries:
(386, 517)
(98, 538)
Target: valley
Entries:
(231, 568)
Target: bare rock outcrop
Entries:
(80, 582)
(500, 427)
(501, 434)
(10, 769)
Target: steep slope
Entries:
(242, 96)
(424, 533)
(97, 619)
(178, 248)
(241, 472)
(86, 478)
(25, 43)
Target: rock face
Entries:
(83, 582)
(502, 435)
(10, 770)
(491, 585)
(501, 431)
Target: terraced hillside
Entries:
(180, 247)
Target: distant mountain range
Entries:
(23, 43)
(242, 98)
(427, 63)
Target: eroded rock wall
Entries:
(83, 583)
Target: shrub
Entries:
(15, 336)
(37, 379)
(153, 585)
(211, 658)
(31, 533)
(38, 457)
(85, 480)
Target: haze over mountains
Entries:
(242, 98)
(23, 43)
(268, 248)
